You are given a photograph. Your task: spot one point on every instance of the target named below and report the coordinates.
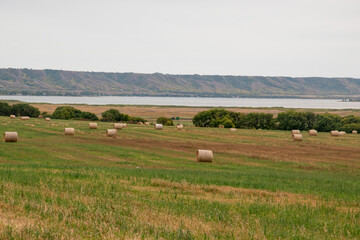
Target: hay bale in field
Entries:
(40, 116)
(123, 125)
(342, 133)
(221, 126)
(47, 119)
(233, 129)
(25, 118)
(147, 123)
(111, 133)
(313, 132)
(204, 155)
(295, 132)
(297, 137)
(140, 123)
(334, 133)
(93, 125)
(10, 137)
(179, 126)
(69, 131)
(158, 126)
(12, 116)
(118, 126)
(354, 132)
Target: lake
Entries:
(191, 101)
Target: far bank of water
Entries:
(191, 101)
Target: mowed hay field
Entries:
(145, 184)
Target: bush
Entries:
(66, 112)
(350, 119)
(327, 122)
(24, 109)
(210, 118)
(136, 120)
(114, 115)
(296, 120)
(89, 116)
(259, 121)
(227, 122)
(350, 127)
(165, 121)
(5, 109)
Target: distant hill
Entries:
(58, 82)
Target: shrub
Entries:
(296, 120)
(165, 121)
(227, 122)
(259, 121)
(5, 109)
(210, 118)
(66, 112)
(137, 119)
(327, 122)
(350, 127)
(89, 116)
(350, 119)
(114, 115)
(24, 109)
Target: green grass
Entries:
(145, 184)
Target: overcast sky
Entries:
(243, 37)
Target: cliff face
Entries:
(58, 82)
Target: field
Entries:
(146, 184)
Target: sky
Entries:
(296, 38)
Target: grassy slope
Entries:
(146, 184)
(55, 82)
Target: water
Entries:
(189, 101)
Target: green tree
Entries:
(24, 109)
(5, 109)
(165, 121)
(327, 122)
(114, 115)
(66, 112)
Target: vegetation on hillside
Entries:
(58, 82)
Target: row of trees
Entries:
(285, 121)
(18, 109)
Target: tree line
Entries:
(284, 121)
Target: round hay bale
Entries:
(295, 132)
(12, 116)
(159, 126)
(233, 129)
(313, 132)
(25, 118)
(123, 125)
(118, 126)
(354, 132)
(179, 126)
(140, 123)
(47, 119)
(10, 137)
(111, 133)
(40, 116)
(342, 133)
(146, 123)
(204, 155)
(69, 131)
(334, 133)
(93, 125)
(221, 126)
(297, 137)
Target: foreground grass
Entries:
(145, 184)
